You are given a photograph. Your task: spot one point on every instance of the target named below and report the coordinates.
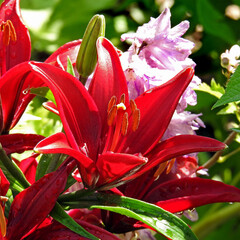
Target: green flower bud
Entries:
(87, 55)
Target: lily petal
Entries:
(14, 93)
(29, 168)
(114, 166)
(109, 79)
(60, 56)
(58, 143)
(178, 146)
(59, 232)
(187, 193)
(20, 50)
(18, 143)
(78, 112)
(33, 205)
(156, 107)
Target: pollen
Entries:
(9, 32)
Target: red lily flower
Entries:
(15, 42)
(110, 137)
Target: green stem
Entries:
(13, 169)
(216, 156)
(211, 222)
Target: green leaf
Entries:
(214, 89)
(214, 22)
(236, 130)
(162, 221)
(70, 67)
(232, 91)
(43, 165)
(62, 217)
(43, 92)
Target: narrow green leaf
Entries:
(232, 91)
(236, 130)
(70, 68)
(43, 165)
(62, 217)
(43, 92)
(162, 221)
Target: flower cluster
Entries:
(115, 146)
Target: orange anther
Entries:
(3, 225)
(111, 103)
(170, 165)
(9, 32)
(136, 119)
(122, 98)
(111, 115)
(133, 105)
(160, 170)
(124, 124)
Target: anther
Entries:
(111, 115)
(111, 103)
(136, 119)
(160, 170)
(170, 165)
(124, 124)
(122, 98)
(133, 105)
(9, 32)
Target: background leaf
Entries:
(232, 91)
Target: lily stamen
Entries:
(118, 120)
(9, 32)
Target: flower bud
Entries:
(87, 55)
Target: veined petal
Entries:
(178, 146)
(18, 143)
(14, 93)
(77, 110)
(109, 79)
(115, 166)
(60, 56)
(29, 168)
(58, 143)
(4, 184)
(156, 107)
(188, 193)
(33, 205)
(16, 51)
(57, 231)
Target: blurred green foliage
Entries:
(55, 22)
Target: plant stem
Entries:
(13, 169)
(216, 156)
(211, 222)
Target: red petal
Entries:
(19, 51)
(109, 79)
(78, 112)
(29, 167)
(178, 146)
(4, 184)
(59, 57)
(58, 143)
(187, 193)
(51, 107)
(33, 205)
(57, 231)
(114, 166)
(156, 107)
(18, 143)
(14, 93)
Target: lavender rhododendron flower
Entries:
(158, 52)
